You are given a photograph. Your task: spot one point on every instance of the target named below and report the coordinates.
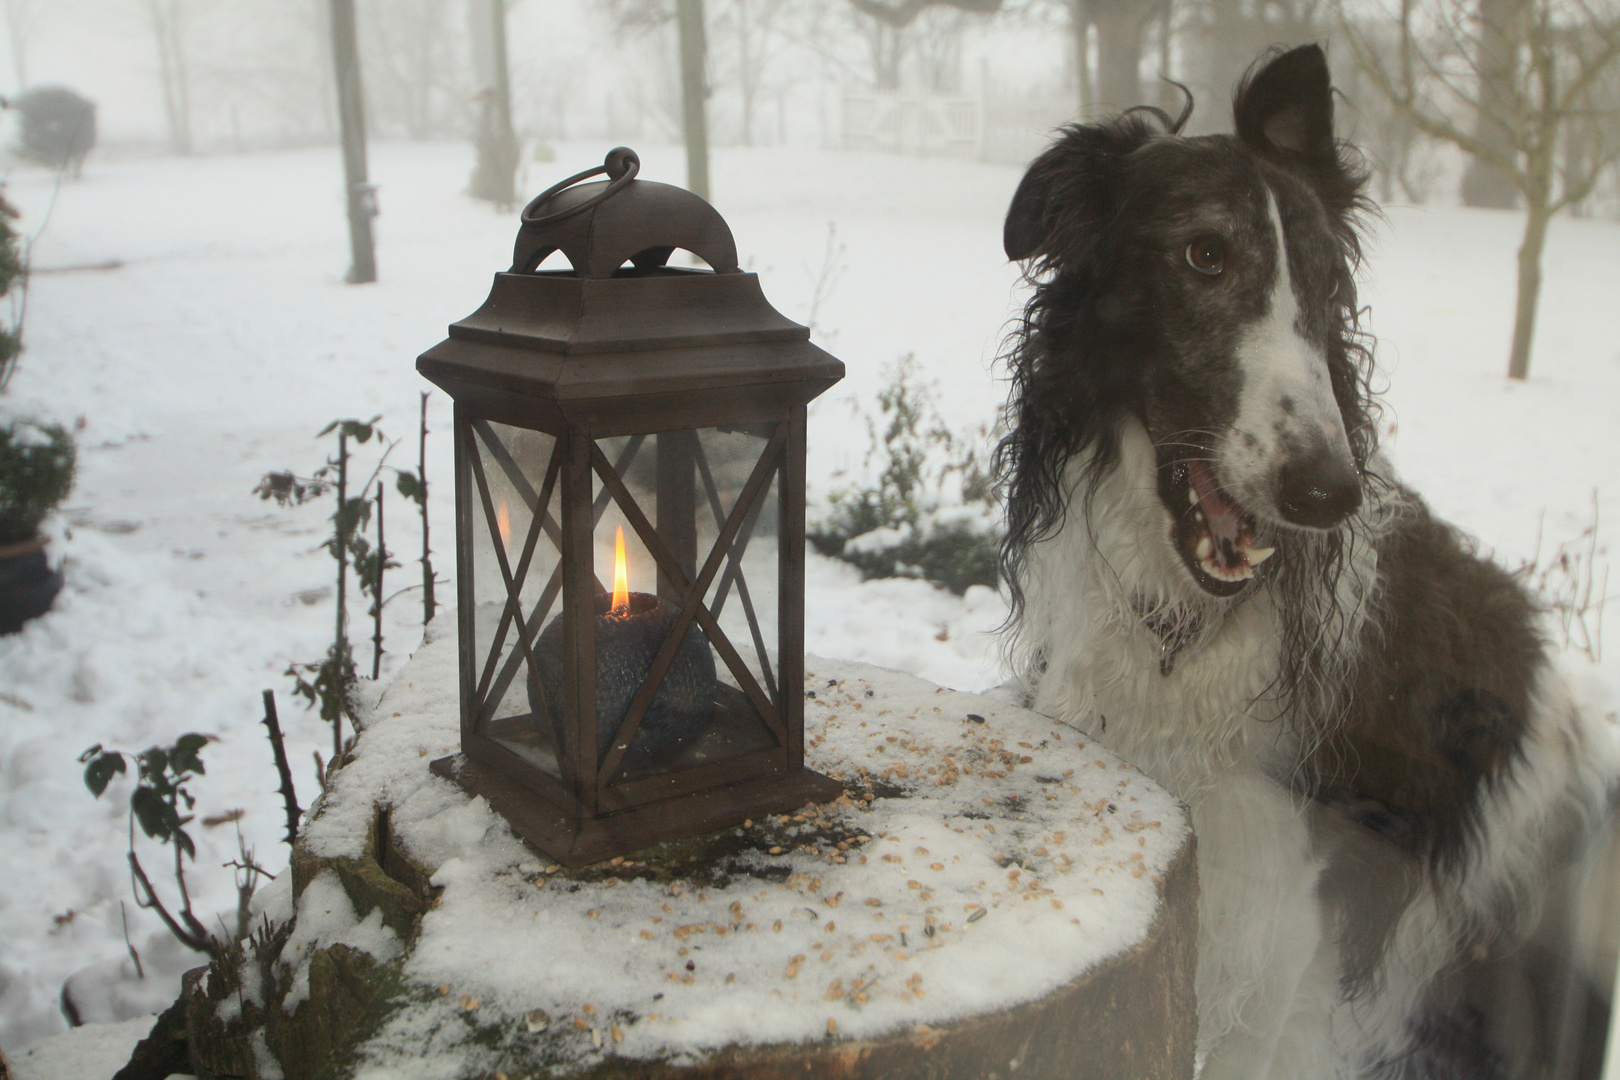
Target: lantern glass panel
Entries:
(743, 594)
(516, 585)
(711, 497)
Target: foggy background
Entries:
(185, 76)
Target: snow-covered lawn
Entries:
(227, 340)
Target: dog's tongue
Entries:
(1231, 542)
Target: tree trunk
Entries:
(1483, 184)
(359, 196)
(1120, 25)
(1170, 98)
(694, 95)
(747, 77)
(172, 70)
(494, 176)
(19, 24)
(1080, 26)
(1529, 292)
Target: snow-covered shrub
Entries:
(58, 126)
(929, 512)
(36, 473)
(13, 284)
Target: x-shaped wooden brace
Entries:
(692, 606)
(489, 697)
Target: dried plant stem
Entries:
(186, 929)
(123, 913)
(377, 606)
(340, 551)
(278, 748)
(428, 603)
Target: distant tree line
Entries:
(1498, 103)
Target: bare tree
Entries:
(409, 49)
(693, 49)
(494, 177)
(1399, 153)
(754, 29)
(694, 93)
(885, 23)
(1080, 33)
(1566, 49)
(886, 46)
(21, 17)
(1496, 59)
(900, 13)
(168, 19)
(359, 194)
(1121, 29)
(937, 47)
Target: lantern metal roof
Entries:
(622, 322)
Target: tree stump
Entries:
(993, 896)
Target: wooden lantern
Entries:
(625, 398)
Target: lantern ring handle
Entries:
(620, 165)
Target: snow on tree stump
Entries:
(993, 896)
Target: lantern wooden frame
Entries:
(604, 351)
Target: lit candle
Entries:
(631, 628)
(621, 577)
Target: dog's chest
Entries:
(1182, 698)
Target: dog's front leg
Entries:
(1260, 927)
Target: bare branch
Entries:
(192, 935)
(900, 13)
(278, 750)
(1403, 98)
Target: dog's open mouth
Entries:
(1215, 535)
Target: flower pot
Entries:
(28, 585)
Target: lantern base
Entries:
(577, 842)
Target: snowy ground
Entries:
(227, 339)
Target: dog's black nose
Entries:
(1318, 491)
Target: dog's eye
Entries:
(1207, 255)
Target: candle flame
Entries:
(503, 522)
(621, 577)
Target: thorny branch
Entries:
(278, 748)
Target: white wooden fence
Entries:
(1010, 130)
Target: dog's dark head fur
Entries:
(1202, 286)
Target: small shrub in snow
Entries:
(156, 805)
(1574, 585)
(330, 682)
(14, 285)
(37, 461)
(930, 511)
(58, 126)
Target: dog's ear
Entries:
(1285, 109)
(1026, 224)
(1071, 189)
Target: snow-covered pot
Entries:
(28, 584)
(37, 462)
(624, 397)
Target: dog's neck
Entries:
(1176, 628)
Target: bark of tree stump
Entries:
(428, 872)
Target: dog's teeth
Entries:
(1205, 548)
(1192, 496)
(1256, 556)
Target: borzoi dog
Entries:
(1214, 573)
